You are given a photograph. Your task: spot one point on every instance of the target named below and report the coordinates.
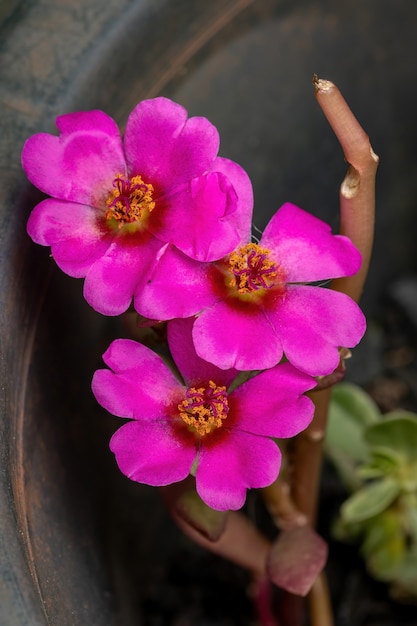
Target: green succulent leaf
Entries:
(384, 546)
(396, 434)
(383, 462)
(409, 502)
(370, 500)
(351, 412)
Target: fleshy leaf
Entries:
(296, 559)
(396, 432)
(351, 412)
(409, 502)
(384, 546)
(370, 500)
(383, 463)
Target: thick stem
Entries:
(357, 215)
(357, 192)
(307, 458)
(319, 603)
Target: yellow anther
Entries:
(130, 200)
(204, 408)
(252, 269)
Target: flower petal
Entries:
(242, 217)
(148, 453)
(178, 287)
(307, 248)
(314, 322)
(72, 232)
(197, 218)
(232, 337)
(192, 368)
(165, 147)
(236, 463)
(141, 385)
(272, 403)
(79, 165)
(112, 281)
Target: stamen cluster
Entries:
(204, 408)
(130, 200)
(252, 268)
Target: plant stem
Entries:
(307, 458)
(319, 603)
(357, 215)
(357, 192)
(357, 218)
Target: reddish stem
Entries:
(357, 211)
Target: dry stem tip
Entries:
(321, 84)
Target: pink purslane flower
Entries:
(254, 305)
(198, 425)
(116, 204)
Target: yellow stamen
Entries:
(130, 200)
(204, 408)
(252, 269)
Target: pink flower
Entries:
(223, 437)
(255, 305)
(116, 204)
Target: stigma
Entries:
(251, 269)
(204, 408)
(130, 200)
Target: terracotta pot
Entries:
(247, 66)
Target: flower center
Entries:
(130, 200)
(204, 408)
(252, 269)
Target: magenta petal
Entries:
(141, 386)
(314, 322)
(178, 287)
(112, 281)
(122, 396)
(165, 147)
(148, 453)
(125, 356)
(75, 257)
(52, 220)
(79, 165)
(272, 403)
(238, 462)
(233, 338)
(71, 231)
(306, 247)
(242, 217)
(198, 218)
(192, 368)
